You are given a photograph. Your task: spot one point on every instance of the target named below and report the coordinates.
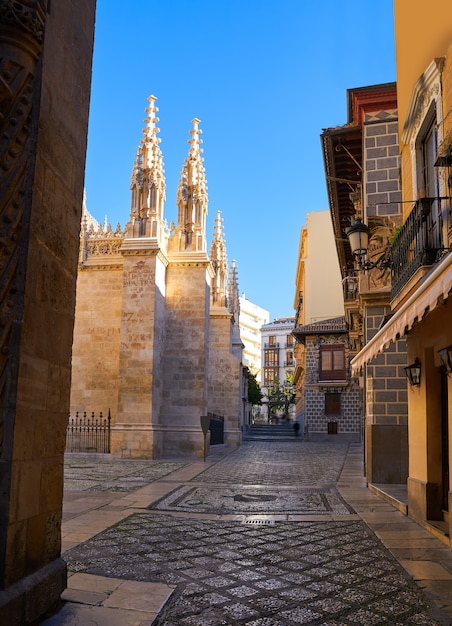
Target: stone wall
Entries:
(382, 163)
(95, 356)
(142, 340)
(386, 407)
(224, 375)
(186, 358)
(385, 390)
(43, 143)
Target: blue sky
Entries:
(264, 78)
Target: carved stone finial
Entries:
(233, 292)
(219, 262)
(148, 182)
(192, 198)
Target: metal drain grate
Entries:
(259, 521)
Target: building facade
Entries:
(318, 289)
(251, 318)
(156, 335)
(332, 404)
(278, 359)
(421, 259)
(362, 167)
(277, 350)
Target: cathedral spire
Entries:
(148, 182)
(220, 263)
(192, 197)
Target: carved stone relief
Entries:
(20, 43)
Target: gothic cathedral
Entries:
(156, 335)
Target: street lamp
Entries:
(413, 373)
(358, 236)
(446, 358)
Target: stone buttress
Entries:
(143, 311)
(225, 362)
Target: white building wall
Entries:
(281, 328)
(251, 318)
(323, 297)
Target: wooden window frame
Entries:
(329, 366)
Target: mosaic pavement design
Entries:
(310, 573)
(248, 500)
(117, 475)
(279, 463)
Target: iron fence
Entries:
(88, 434)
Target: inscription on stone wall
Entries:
(138, 278)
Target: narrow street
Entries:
(275, 533)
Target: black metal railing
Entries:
(216, 427)
(88, 434)
(419, 242)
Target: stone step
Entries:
(269, 432)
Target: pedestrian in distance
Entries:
(296, 428)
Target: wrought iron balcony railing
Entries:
(419, 242)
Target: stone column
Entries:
(45, 73)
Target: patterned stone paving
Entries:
(279, 463)
(312, 573)
(248, 500)
(121, 476)
(315, 573)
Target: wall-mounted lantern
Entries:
(446, 358)
(358, 237)
(413, 373)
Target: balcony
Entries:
(419, 242)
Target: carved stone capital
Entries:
(27, 16)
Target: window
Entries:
(270, 376)
(289, 341)
(429, 182)
(332, 404)
(289, 358)
(332, 363)
(272, 340)
(271, 358)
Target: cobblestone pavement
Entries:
(122, 476)
(276, 572)
(295, 462)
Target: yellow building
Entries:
(317, 266)
(420, 255)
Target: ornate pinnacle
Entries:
(192, 194)
(148, 165)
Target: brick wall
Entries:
(382, 167)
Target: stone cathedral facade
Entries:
(156, 336)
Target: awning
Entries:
(435, 289)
